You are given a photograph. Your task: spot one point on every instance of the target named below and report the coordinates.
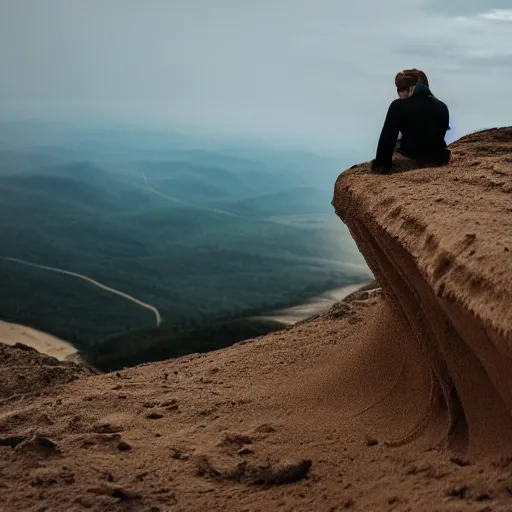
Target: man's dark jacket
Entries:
(423, 121)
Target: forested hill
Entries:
(200, 233)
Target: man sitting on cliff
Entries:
(422, 120)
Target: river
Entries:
(314, 306)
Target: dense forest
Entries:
(202, 230)
(157, 344)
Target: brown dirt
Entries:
(391, 401)
(24, 370)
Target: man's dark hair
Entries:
(409, 78)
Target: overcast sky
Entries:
(317, 70)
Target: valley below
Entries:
(156, 246)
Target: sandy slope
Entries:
(440, 243)
(394, 401)
(45, 343)
(194, 434)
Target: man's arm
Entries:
(388, 138)
(446, 117)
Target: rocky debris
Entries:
(371, 441)
(459, 462)
(180, 453)
(245, 473)
(154, 416)
(107, 428)
(123, 446)
(237, 440)
(245, 451)
(112, 423)
(350, 307)
(12, 441)
(115, 491)
(88, 440)
(39, 444)
(45, 371)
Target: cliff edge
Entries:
(396, 399)
(440, 243)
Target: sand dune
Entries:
(391, 401)
(11, 334)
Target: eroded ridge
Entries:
(440, 243)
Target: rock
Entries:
(120, 493)
(154, 416)
(269, 474)
(123, 446)
(39, 444)
(245, 451)
(12, 441)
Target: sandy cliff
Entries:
(440, 243)
(393, 400)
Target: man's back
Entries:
(423, 121)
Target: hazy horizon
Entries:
(296, 73)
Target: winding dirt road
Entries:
(185, 203)
(92, 281)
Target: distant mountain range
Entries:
(202, 234)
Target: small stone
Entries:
(154, 416)
(459, 492)
(168, 403)
(178, 454)
(371, 441)
(44, 442)
(460, 462)
(12, 441)
(123, 446)
(107, 428)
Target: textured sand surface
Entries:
(440, 243)
(395, 400)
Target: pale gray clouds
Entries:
(465, 7)
(319, 70)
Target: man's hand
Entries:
(380, 169)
